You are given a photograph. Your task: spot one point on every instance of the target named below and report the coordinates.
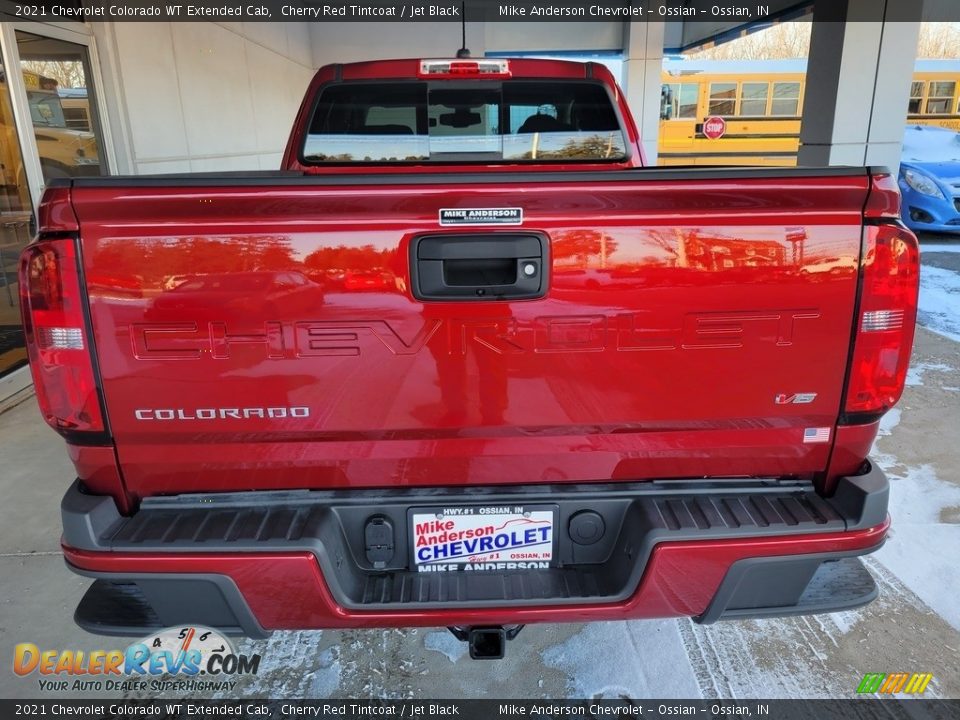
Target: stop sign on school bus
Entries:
(714, 127)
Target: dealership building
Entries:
(172, 97)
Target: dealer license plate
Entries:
(514, 537)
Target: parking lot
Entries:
(914, 626)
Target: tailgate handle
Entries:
(479, 267)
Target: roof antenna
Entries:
(463, 52)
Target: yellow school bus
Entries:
(761, 102)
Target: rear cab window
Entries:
(419, 121)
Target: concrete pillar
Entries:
(643, 59)
(862, 54)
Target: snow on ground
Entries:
(923, 555)
(629, 659)
(782, 658)
(318, 672)
(940, 301)
(887, 423)
(916, 371)
(765, 658)
(924, 543)
(444, 642)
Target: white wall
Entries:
(194, 97)
(535, 37)
(344, 42)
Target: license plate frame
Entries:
(515, 525)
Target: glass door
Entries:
(51, 128)
(62, 110)
(16, 210)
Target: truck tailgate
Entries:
(257, 333)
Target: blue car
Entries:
(930, 179)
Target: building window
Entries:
(723, 99)
(940, 98)
(916, 98)
(786, 98)
(753, 98)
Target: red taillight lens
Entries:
(57, 343)
(887, 319)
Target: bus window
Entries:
(916, 97)
(786, 98)
(753, 98)
(723, 99)
(666, 102)
(45, 109)
(77, 118)
(940, 98)
(683, 100)
(679, 101)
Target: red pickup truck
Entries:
(467, 362)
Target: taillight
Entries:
(887, 319)
(57, 343)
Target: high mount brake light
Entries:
(464, 68)
(53, 322)
(886, 321)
